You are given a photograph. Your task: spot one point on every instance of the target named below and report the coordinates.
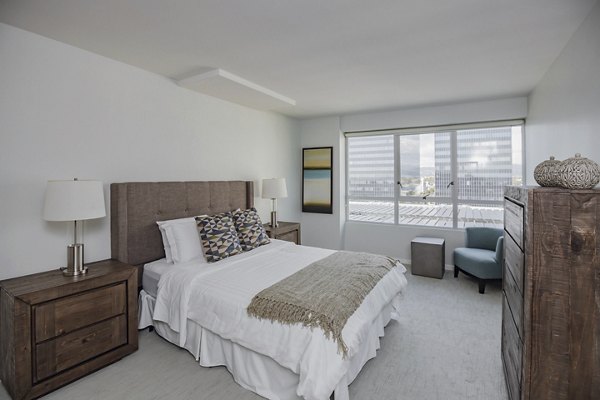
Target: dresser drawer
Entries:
(514, 261)
(512, 350)
(56, 355)
(513, 221)
(70, 313)
(514, 298)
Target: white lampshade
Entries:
(73, 200)
(274, 188)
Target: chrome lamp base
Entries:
(75, 265)
(274, 223)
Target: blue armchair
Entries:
(483, 256)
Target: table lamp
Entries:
(74, 201)
(274, 189)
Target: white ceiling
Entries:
(331, 56)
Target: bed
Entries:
(204, 309)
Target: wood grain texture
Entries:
(582, 280)
(289, 237)
(529, 217)
(511, 352)
(7, 354)
(46, 286)
(73, 312)
(595, 352)
(514, 299)
(514, 261)
(56, 355)
(72, 374)
(73, 338)
(16, 345)
(513, 221)
(560, 332)
(550, 311)
(289, 231)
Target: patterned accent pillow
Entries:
(250, 229)
(218, 235)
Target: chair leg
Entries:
(482, 286)
(456, 271)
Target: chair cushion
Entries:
(482, 237)
(478, 262)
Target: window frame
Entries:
(453, 200)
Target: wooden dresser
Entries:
(551, 293)
(55, 329)
(289, 231)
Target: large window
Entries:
(443, 177)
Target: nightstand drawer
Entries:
(288, 231)
(69, 350)
(68, 314)
(290, 236)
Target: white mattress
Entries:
(152, 273)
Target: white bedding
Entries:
(152, 273)
(215, 296)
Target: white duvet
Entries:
(216, 296)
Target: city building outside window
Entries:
(449, 177)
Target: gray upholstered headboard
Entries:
(136, 206)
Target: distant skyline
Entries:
(488, 159)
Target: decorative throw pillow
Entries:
(218, 235)
(250, 229)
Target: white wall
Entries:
(66, 113)
(326, 230)
(564, 116)
(394, 240)
(480, 111)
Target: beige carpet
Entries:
(446, 346)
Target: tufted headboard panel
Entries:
(136, 206)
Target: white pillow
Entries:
(162, 227)
(168, 255)
(182, 240)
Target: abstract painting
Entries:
(317, 184)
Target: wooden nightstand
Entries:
(289, 231)
(55, 329)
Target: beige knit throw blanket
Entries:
(324, 294)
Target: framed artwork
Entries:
(317, 183)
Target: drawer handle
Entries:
(88, 338)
